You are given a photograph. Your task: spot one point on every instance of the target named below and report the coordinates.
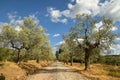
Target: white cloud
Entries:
(79, 40)
(56, 35)
(118, 38)
(57, 46)
(115, 49)
(100, 26)
(111, 9)
(54, 13)
(55, 49)
(19, 21)
(10, 16)
(17, 28)
(81, 6)
(14, 19)
(56, 16)
(64, 20)
(84, 6)
(59, 43)
(114, 28)
(70, 6)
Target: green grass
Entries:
(114, 74)
(109, 70)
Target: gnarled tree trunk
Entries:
(18, 57)
(87, 59)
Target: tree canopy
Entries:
(89, 38)
(31, 39)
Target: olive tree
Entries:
(64, 53)
(30, 38)
(93, 37)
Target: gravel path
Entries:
(57, 71)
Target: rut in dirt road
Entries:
(57, 71)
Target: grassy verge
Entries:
(99, 71)
(31, 66)
(13, 71)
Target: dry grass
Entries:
(12, 71)
(31, 66)
(99, 71)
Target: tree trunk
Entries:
(87, 59)
(18, 57)
(71, 60)
(37, 60)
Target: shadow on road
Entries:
(55, 70)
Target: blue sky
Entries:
(38, 8)
(57, 16)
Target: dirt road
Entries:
(57, 71)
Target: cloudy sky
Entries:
(57, 16)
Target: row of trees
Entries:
(86, 40)
(29, 42)
(110, 59)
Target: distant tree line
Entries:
(110, 59)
